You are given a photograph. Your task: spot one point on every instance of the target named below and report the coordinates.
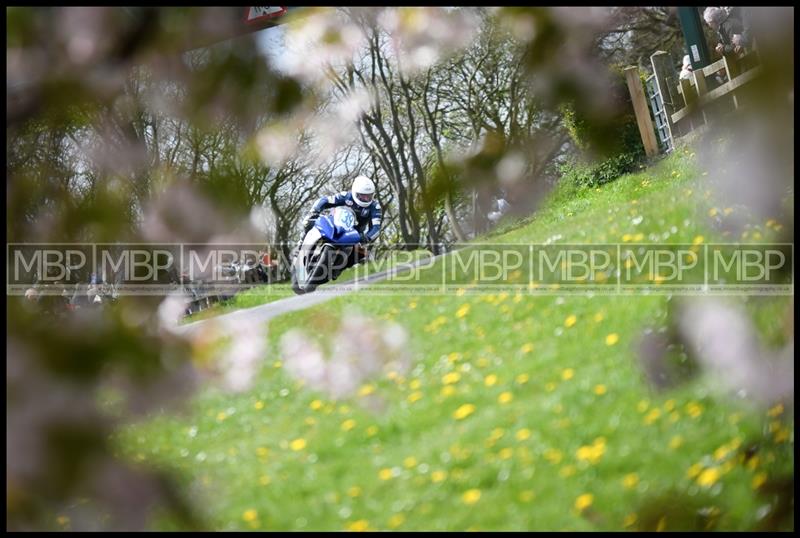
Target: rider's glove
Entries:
(308, 222)
(363, 238)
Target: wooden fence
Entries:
(681, 105)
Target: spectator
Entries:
(731, 32)
(686, 68)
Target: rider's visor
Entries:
(364, 197)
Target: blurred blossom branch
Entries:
(361, 349)
(725, 343)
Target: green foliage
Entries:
(592, 175)
(607, 153)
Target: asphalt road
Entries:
(264, 313)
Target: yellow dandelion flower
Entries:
(523, 434)
(627, 237)
(584, 501)
(570, 321)
(354, 491)
(781, 435)
(490, 380)
(652, 416)
(250, 515)
(372, 430)
(348, 425)
(567, 471)
(697, 240)
(712, 212)
(775, 411)
(438, 476)
(358, 526)
(315, 405)
(758, 480)
(694, 470)
(505, 453)
(385, 474)
(612, 339)
(630, 481)
(721, 452)
(553, 455)
(708, 477)
(448, 390)
(451, 378)
(464, 411)
(521, 379)
(366, 390)
(259, 405)
(505, 397)
(497, 433)
(463, 311)
(629, 520)
(567, 374)
(642, 406)
(410, 462)
(412, 305)
(694, 409)
(277, 364)
(527, 348)
(676, 442)
(221, 416)
(264, 480)
(598, 317)
(471, 496)
(262, 452)
(591, 453)
(414, 396)
(396, 520)
(415, 384)
(600, 389)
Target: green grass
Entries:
(254, 296)
(580, 422)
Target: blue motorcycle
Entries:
(324, 251)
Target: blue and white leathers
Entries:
(368, 217)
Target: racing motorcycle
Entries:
(324, 250)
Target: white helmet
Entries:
(363, 191)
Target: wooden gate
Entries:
(656, 102)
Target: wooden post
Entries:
(700, 82)
(702, 88)
(642, 111)
(733, 70)
(688, 91)
(663, 71)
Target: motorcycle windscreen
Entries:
(344, 219)
(326, 228)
